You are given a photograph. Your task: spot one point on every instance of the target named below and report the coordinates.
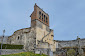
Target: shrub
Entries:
(10, 46)
(71, 52)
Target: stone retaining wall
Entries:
(11, 51)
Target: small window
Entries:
(34, 38)
(52, 35)
(42, 14)
(44, 18)
(18, 37)
(39, 13)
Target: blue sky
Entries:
(67, 17)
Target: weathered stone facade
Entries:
(24, 37)
(11, 51)
(38, 36)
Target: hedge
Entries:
(10, 46)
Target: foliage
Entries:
(9, 46)
(71, 52)
(24, 54)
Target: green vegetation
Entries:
(71, 52)
(9, 46)
(24, 54)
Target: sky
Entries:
(67, 17)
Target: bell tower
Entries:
(40, 21)
(40, 15)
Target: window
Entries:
(44, 18)
(18, 37)
(52, 35)
(39, 13)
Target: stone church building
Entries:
(38, 36)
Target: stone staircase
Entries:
(47, 34)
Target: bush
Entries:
(9, 46)
(71, 52)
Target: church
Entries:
(37, 37)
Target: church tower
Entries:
(40, 21)
(40, 15)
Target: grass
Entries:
(24, 54)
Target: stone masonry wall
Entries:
(71, 43)
(18, 37)
(24, 37)
(11, 51)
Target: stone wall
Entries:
(71, 43)
(11, 51)
(31, 40)
(42, 51)
(24, 37)
(40, 30)
(18, 36)
(42, 44)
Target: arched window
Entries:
(46, 20)
(42, 16)
(18, 37)
(39, 15)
